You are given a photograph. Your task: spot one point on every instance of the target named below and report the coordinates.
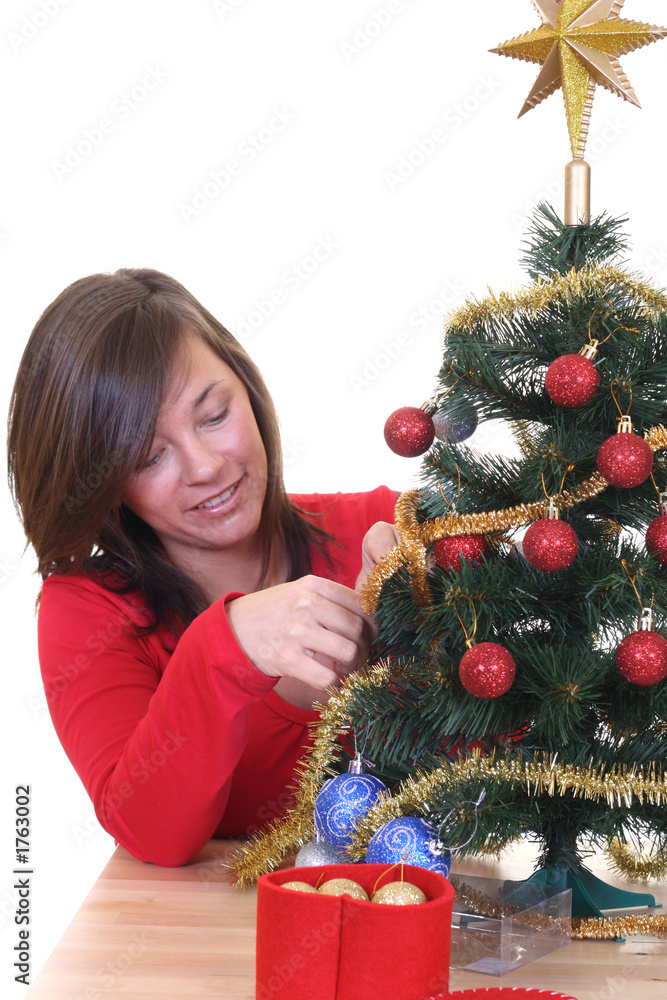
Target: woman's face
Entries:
(204, 484)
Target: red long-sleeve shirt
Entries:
(178, 741)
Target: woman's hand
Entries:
(378, 540)
(311, 629)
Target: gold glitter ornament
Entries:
(343, 887)
(578, 45)
(399, 894)
(299, 886)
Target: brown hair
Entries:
(82, 420)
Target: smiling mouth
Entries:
(216, 501)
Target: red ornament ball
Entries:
(409, 431)
(642, 658)
(550, 545)
(449, 552)
(656, 538)
(572, 380)
(487, 670)
(625, 460)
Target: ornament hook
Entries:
(646, 620)
(359, 764)
(437, 847)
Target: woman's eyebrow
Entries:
(202, 396)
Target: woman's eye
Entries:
(152, 462)
(219, 417)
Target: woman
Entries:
(191, 613)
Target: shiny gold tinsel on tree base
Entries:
(597, 928)
(637, 865)
(604, 928)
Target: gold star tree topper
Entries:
(578, 45)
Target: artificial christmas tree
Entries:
(533, 670)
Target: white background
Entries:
(358, 86)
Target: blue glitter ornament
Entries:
(419, 839)
(342, 800)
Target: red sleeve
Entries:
(154, 745)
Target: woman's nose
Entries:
(200, 463)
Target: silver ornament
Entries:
(454, 431)
(318, 852)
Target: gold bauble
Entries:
(399, 894)
(343, 887)
(299, 886)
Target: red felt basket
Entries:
(502, 993)
(315, 947)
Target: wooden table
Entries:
(149, 933)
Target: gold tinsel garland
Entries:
(635, 864)
(652, 925)
(562, 288)
(603, 928)
(265, 851)
(539, 776)
(485, 906)
(411, 552)
(617, 785)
